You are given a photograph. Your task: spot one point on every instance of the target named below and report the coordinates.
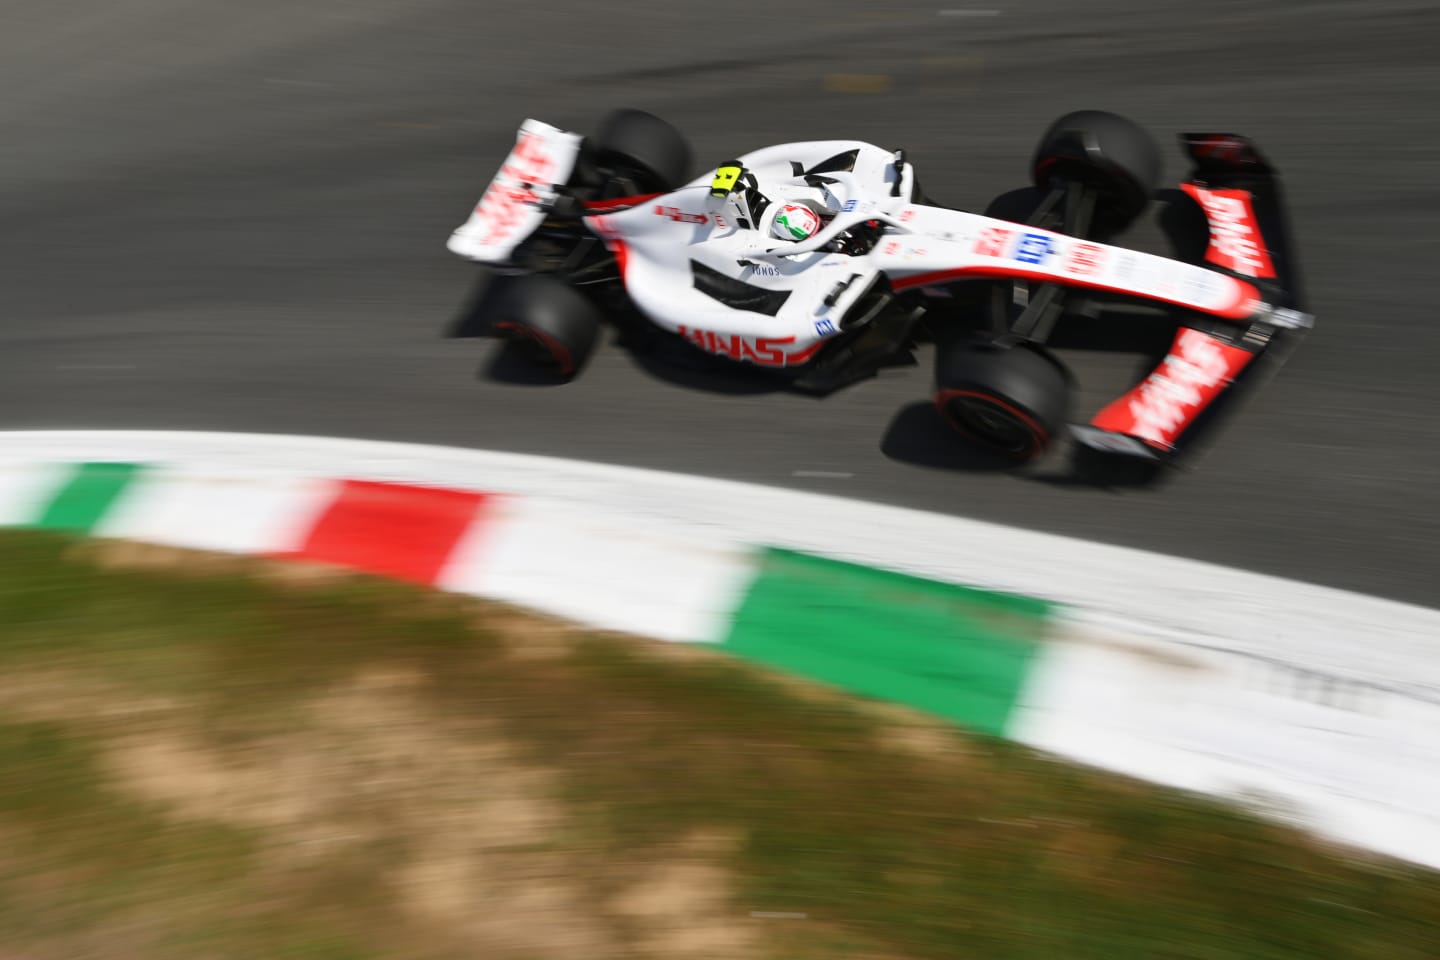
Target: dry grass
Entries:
(215, 757)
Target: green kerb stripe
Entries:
(83, 499)
(957, 652)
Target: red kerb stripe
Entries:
(392, 529)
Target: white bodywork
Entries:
(923, 247)
(514, 204)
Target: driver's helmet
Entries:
(797, 220)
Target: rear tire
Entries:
(1011, 399)
(643, 147)
(549, 323)
(1108, 152)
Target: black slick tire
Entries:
(550, 323)
(1108, 152)
(644, 147)
(1010, 399)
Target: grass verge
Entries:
(218, 757)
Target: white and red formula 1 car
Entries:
(825, 261)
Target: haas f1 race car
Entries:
(825, 261)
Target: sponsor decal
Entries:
(907, 215)
(1194, 372)
(765, 270)
(1234, 234)
(993, 242)
(721, 222)
(764, 351)
(891, 248)
(1033, 248)
(1085, 259)
(680, 216)
(504, 202)
(824, 328)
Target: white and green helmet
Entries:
(795, 221)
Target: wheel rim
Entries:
(996, 425)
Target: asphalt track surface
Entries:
(232, 217)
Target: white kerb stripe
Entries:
(573, 562)
(25, 489)
(202, 509)
(1356, 762)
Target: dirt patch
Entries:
(134, 555)
(242, 788)
(683, 912)
(477, 828)
(927, 741)
(528, 636)
(1086, 635)
(68, 696)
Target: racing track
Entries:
(232, 217)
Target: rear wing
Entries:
(517, 200)
(1239, 195)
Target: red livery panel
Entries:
(1235, 241)
(1159, 408)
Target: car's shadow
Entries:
(1081, 466)
(470, 319)
(509, 364)
(677, 363)
(919, 436)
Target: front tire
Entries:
(549, 323)
(1110, 153)
(1011, 399)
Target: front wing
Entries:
(1238, 195)
(1242, 302)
